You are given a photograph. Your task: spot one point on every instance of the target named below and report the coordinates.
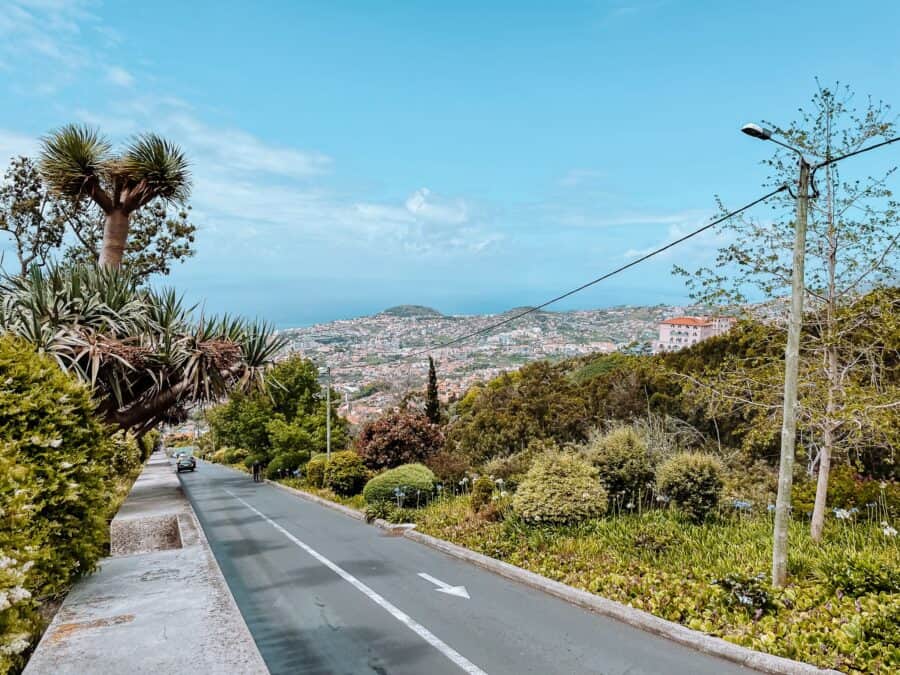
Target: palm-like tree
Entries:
(145, 355)
(78, 162)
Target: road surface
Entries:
(323, 593)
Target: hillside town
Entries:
(370, 357)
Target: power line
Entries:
(832, 160)
(531, 310)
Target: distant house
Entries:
(683, 331)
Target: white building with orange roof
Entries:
(684, 331)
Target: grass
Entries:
(354, 502)
(662, 564)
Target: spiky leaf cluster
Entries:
(143, 351)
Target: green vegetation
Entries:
(61, 480)
(686, 572)
(559, 489)
(143, 352)
(693, 481)
(282, 426)
(482, 491)
(345, 473)
(624, 465)
(315, 471)
(411, 311)
(410, 484)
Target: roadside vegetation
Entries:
(618, 475)
(62, 479)
(92, 357)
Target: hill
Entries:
(411, 311)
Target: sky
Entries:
(469, 156)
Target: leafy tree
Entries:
(432, 404)
(43, 226)
(28, 215)
(242, 422)
(539, 401)
(398, 437)
(142, 351)
(852, 247)
(77, 163)
(288, 418)
(158, 236)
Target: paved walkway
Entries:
(159, 606)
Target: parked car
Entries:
(185, 462)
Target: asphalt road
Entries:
(324, 593)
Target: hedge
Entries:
(414, 481)
(55, 464)
(345, 473)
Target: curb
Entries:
(707, 644)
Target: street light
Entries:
(325, 373)
(791, 364)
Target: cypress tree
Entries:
(432, 405)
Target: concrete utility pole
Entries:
(326, 371)
(328, 411)
(792, 351)
(791, 365)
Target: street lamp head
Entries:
(757, 131)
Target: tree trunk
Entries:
(818, 516)
(832, 374)
(115, 237)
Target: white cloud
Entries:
(578, 177)
(709, 240)
(13, 144)
(423, 205)
(248, 191)
(119, 76)
(589, 220)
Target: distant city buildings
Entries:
(684, 331)
(371, 368)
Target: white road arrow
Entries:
(459, 591)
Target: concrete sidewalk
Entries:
(158, 605)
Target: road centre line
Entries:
(420, 630)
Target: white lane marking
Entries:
(443, 587)
(417, 628)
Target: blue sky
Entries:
(472, 156)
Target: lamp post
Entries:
(791, 363)
(326, 372)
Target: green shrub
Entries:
(482, 491)
(286, 463)
(560, 489)
(178, 440)
(148, 444)
(126, 455)
(624, 465)
(345, 474)
(693, 481)
(414, 481)
(218, 456)
(847, 490)
(858, 573)
(235, 455)
(511, 469)
(377, 510)
(55, 464)
(315, 470)
(449, 466)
